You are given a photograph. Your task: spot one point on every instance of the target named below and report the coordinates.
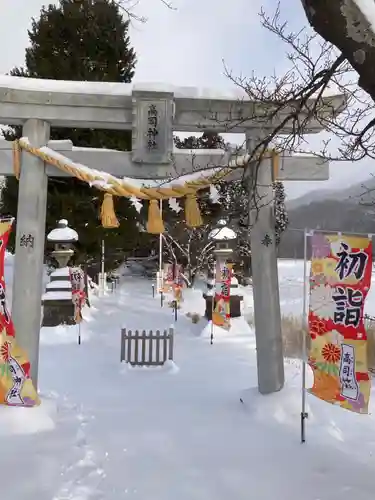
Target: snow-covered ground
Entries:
(106, 432)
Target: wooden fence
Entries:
(142, 348)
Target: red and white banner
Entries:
(173, 280)
(178, 283)
(168, 273)
(16, 387)
(221, 313)
(77, 280)
(340, 279)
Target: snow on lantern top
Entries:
(222, 232)
(62, 233)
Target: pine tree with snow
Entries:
(233, 198)
(81, 40)
(208, 140)
(281, 215)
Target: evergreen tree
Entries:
(82, 40)
(208, 140)
(281, 214)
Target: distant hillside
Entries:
(331, 210)
(312, 196)
(355, 194)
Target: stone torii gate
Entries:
(39, 104)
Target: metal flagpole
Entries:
(213, 305)
(102, 284)
(212, 317)
(304, 415)
(160, 285)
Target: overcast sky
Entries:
(187, 46)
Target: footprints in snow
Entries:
(82, 478)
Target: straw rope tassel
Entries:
(192, 213)
(107, 213)
(155, 223)
(16, 159)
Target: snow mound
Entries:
(168, 367)
(239, 327)
(23, 421)
(62, 334)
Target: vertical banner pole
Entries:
(213, 299)
(161, 281)
(213, 305)
(102, 283)
(304, 415)
(212, 317)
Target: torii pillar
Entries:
(30, 236)
(267, 313)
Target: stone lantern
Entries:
(63, 239)
(58, 307)
(225, 240)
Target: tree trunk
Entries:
(86, 284)
(247, 271)
(341, 23)
(191, 275)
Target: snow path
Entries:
(165, 435)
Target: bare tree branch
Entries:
(129, 9)
(285, 106)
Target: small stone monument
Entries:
(58, 307)
(225, 240)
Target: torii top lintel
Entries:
(123, 106)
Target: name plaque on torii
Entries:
(152, 132)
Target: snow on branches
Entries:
(225, 200)
(281, 216)
(233, 198)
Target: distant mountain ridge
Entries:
(311, 196)
(333, 210)
(354, 194)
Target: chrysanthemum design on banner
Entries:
(340, 279)
(16, 387)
